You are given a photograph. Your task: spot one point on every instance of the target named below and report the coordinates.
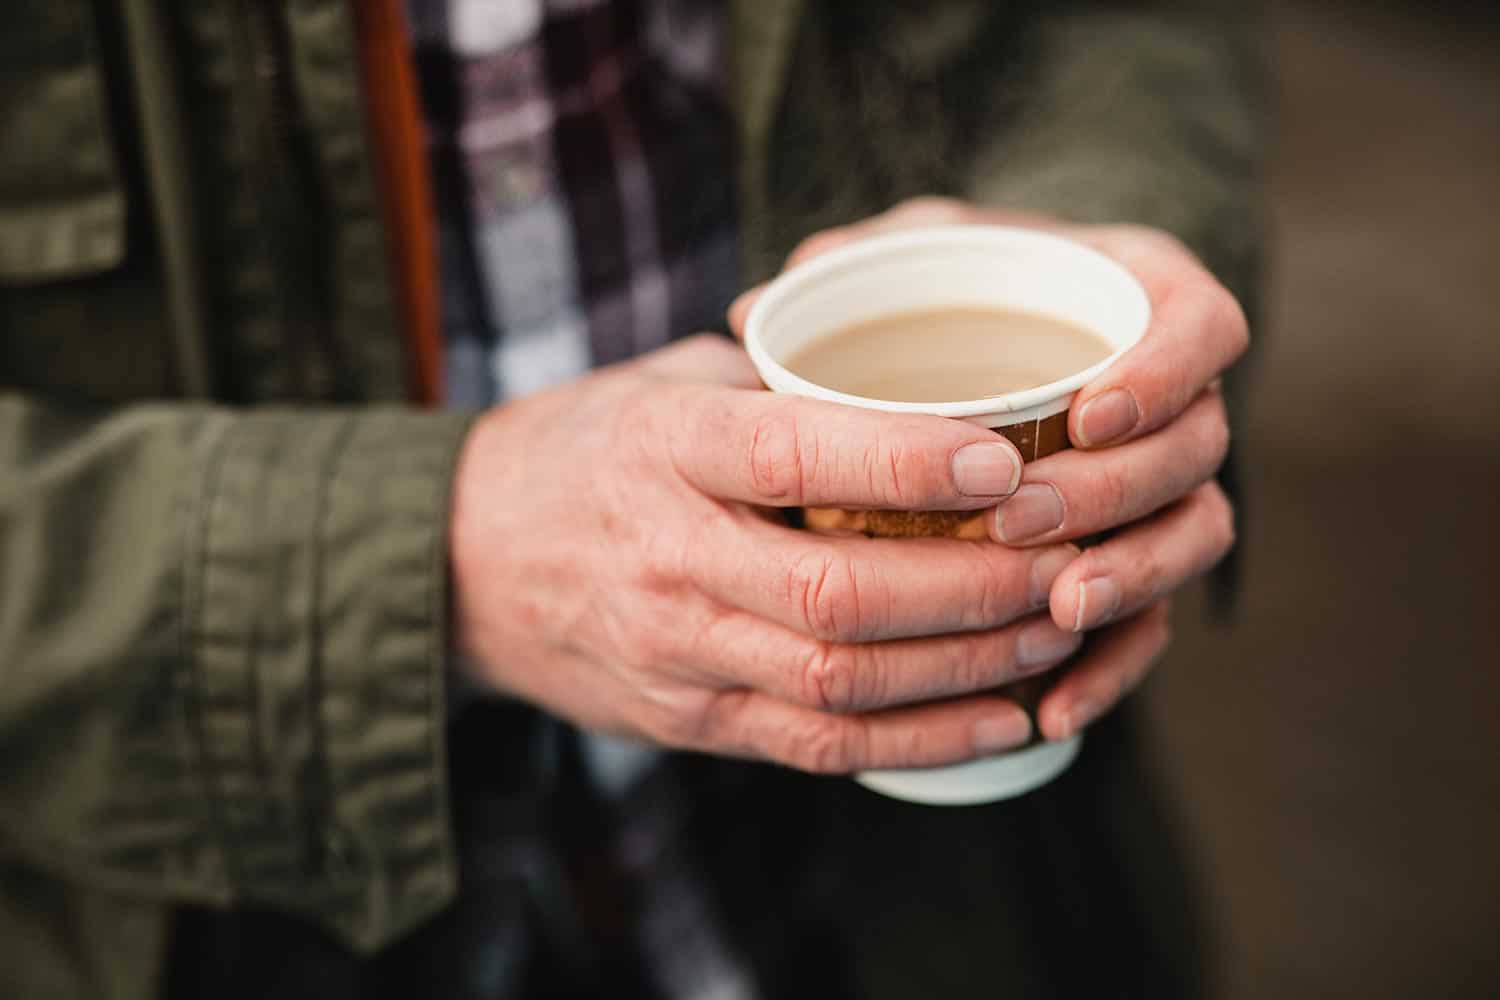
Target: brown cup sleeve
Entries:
(1034, 439)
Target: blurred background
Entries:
(1336, 756)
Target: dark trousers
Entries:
(1080, 889)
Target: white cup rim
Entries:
(791, 283)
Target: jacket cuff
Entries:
(317, 602)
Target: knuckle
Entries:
(1089, 564)
(894, 474)
(897, 486)
(1145, 239)
(822, 589)
(1209, 433)
(668, 728)
(673, 718)
(929, 208)
(974, 666)
(816, 244)
(1161, 241)
(664, 561)
(828, 679)
(661, 427)
(993, 599)
(705, 351)
(718, 724)
(1111, 492)
(1220, 433)
(705, 343)
(884, 475)
(1152, 575)
(781, 459)
(650, 647)
(644, 411)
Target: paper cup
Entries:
(987, 267)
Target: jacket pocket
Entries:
(62, 204)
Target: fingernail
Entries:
(1043, 643)
(1098, 600)
(988, 469)
(1001, 732)
(1045, 571)
(1107, 416)
(1076, 718)
(1032, 510)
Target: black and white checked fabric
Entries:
(584, 167)
(583, 175)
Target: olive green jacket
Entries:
(222, 534)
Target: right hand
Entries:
(616, 561)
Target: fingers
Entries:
(785, 451)
(745, 651)
(1111, 667)
(1146, 562)
(706, 357)
(1074, 494)
(863, 590)
(757, 725)
(1197, 331)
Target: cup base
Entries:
(990, 779)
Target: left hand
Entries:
(1149, 435)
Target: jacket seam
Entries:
(322, 809)
(199, 559)
(439, 658)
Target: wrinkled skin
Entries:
(618, 559)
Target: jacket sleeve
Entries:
(222, 645)
(1140, 111)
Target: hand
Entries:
(616, 560)
(1150, 434)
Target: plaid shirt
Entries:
(582, 155)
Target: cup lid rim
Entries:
(843, 258)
